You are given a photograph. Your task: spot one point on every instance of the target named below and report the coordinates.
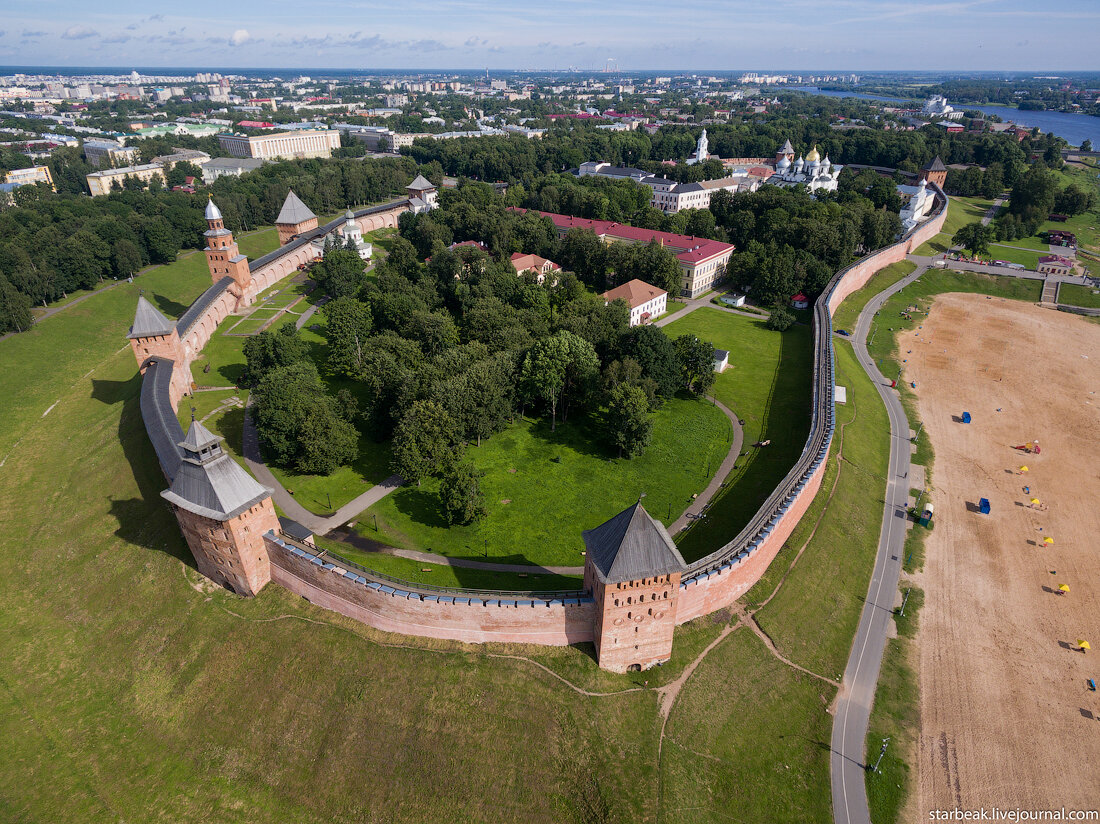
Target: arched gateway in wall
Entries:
(637, 587)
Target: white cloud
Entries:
(239, 37)
(79, 33)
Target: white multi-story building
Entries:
(646, 302)
(108, 153)
(668, 195)
(284, 145)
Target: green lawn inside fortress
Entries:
(767, 385)
(543, 488)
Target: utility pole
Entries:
(919, 428)
(882, 752)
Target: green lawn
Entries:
(935, 246)
(1076, 295)
(324, 494)
(1027, 258)
(758, 754)
(960, 212)
(441, 575)
(543, 488)
(848, 312)
(251, 325)
(673, 307)
(767, 385)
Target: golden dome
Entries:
(813, 155)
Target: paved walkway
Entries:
(306, 315)
(719, 480)
(847, 768)
(317, 524)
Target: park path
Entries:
(719, 479)
(306, 315)
(317, 524)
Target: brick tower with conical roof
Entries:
(632, 568)
(222, 254)
(223, 513)
(294, 218)
(154, 337)
(934, 172)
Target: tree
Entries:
(271, 350)
(460, 494)
(1086, 145)
(974, 237)
(628, 424)
(781, 319)
(125, 258)
(424, 442)
(556, 366)
(696, 360)
(299, 425)
(340, 273)
(654, 351)
(15, 308)
(348, 326)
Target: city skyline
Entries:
(704, 35)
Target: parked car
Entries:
(843, 332)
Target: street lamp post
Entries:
(882, 752)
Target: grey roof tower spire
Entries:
(632, 546)
(210, 483)
(294, 211)
(149, 322)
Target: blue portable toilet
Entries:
(966, 417)
(983, 506)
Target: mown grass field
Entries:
(1076, 295)
(767, 385)
(848, 312)
(543, 488)
(960, 211)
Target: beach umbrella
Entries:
(1035, 500)
(1048, 540)
(1083, 644)
(1064, 588)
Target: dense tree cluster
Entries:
(1035, 196)
(790, 241)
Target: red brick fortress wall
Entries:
(451, 615)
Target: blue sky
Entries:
(854, 35)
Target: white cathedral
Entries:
(813, 172)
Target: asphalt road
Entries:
(857, 690)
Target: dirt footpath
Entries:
(1007, 719)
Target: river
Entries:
(1074, 128)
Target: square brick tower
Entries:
(934, 172)
(222, 255)
(294, 218)
(154, 336)
(223, 513)
(632, 568)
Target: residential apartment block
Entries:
(282, 145)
